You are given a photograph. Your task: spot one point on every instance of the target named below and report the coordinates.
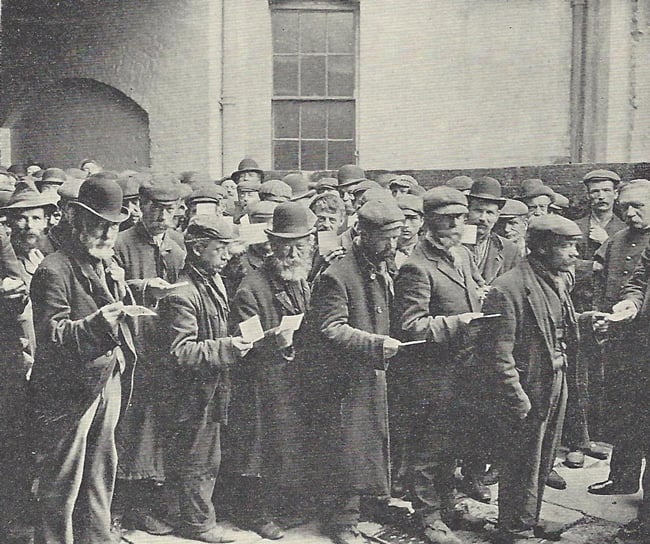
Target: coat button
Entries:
(379, 310)
(108, 353)
(373, 276)
(628, 258)
(626, 271)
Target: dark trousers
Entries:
(575, 435)
(625, 464)
(76, 483)
(526, 455)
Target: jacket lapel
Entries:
(538, 305)
(443, 265)
(494, 259)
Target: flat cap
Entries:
(403, 180)
(444, 200)
(639, 183)
(349, 174)
(327, 183)
(210, 226)
(249, 186)
(460, 183)
(380, 215)
(560, 202)
(602, 175)
(53, 175)
(276, 189)
(208, 192)
(554, 224)
(162, 188)
(70, 189)
(75, 173)
(513, 208)
(375, 194)
(531, 188)
(261, 211)
(410, 204)
(130, 185)
(299, 184)
(365, 185)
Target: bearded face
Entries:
(97, 235)
(27, 229)
(291, 259)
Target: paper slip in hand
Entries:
(251, 329)
(206, 208)
(482, 317)
(135, 310)
(253, 233)
(620, 316)
(412, 343)
(291, 322)
(174, 285)
(469, 235)
(327, 241)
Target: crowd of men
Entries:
(179, 350)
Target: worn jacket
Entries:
(502, 255)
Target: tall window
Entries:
(314, 74)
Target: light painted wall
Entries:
(464, 83)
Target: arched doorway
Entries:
(72, 119)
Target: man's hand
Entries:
(524, 408)
(391, 346)
(627, 308)
(482, 293)
(598, 234)
(241, 347)
(157, 288)
(112, 314)
(284, 338)
(467, 318)
(334, 255)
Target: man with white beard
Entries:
(84, 347)
(264, 435)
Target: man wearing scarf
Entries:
(524, 353)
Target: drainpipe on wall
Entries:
(577, 91)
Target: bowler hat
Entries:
(554, 224)
(26, 196)
(380, 215)
(275, 189)
(292, 220)
(602, 175)
(53, 176)
(247, 165)
(531, 188)
(488, 189)
(460, 183)
(349, 174)
(103, 198)
(211, 227)
(513, 208)
(444, 200)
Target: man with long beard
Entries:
(84, 347)
(264, 433)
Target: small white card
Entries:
(229, 219)
(469, 234)
(291, 322)
(135, 310)
(175, 285)
(253, 233)
(251, 329)
(206, 208)
(327, 241)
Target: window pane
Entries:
(285, 31)
(312, 76)
(340, 153)
(341, 120)
(313, 155)
(285, 155)
(286, 116)
(285, 76)
(340, 75)
(313, 28)
(313, 120)
(340, 32)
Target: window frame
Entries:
(349, 6)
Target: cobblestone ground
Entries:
(592, 519)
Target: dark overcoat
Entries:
(75, 354)
(139, 436)
(502, 255)
(345, 378)
(199, 354)
(265, 434)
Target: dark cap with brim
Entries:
(444, 200)
(410, 204)
(292, 220)
(380, 215)
(210, 227)
(601, 175)
(25, 196)
(554, 224)
(513, 208)
(102, 197)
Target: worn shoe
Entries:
(269, 530)
(147, 522)
(549, 530)
(634, 530)
(475, 489)
(611, 487)
(216, 535)
(597, 452)
(491, 476)
(437, 532)
(346, 535)
(575, 459)
(555, 481)
(510, 536)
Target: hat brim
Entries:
(25, 205)
(351, 182)
(400, 184)
(308, 194)
(489, 198)
(450, 209)
(290, 235)
(235, 175)
(117, 218)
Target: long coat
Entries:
(75, 354)
(345, 378)
(199, 356)
(139, 436)
(265, 432)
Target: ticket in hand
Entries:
(251, 329)
(135, 310)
